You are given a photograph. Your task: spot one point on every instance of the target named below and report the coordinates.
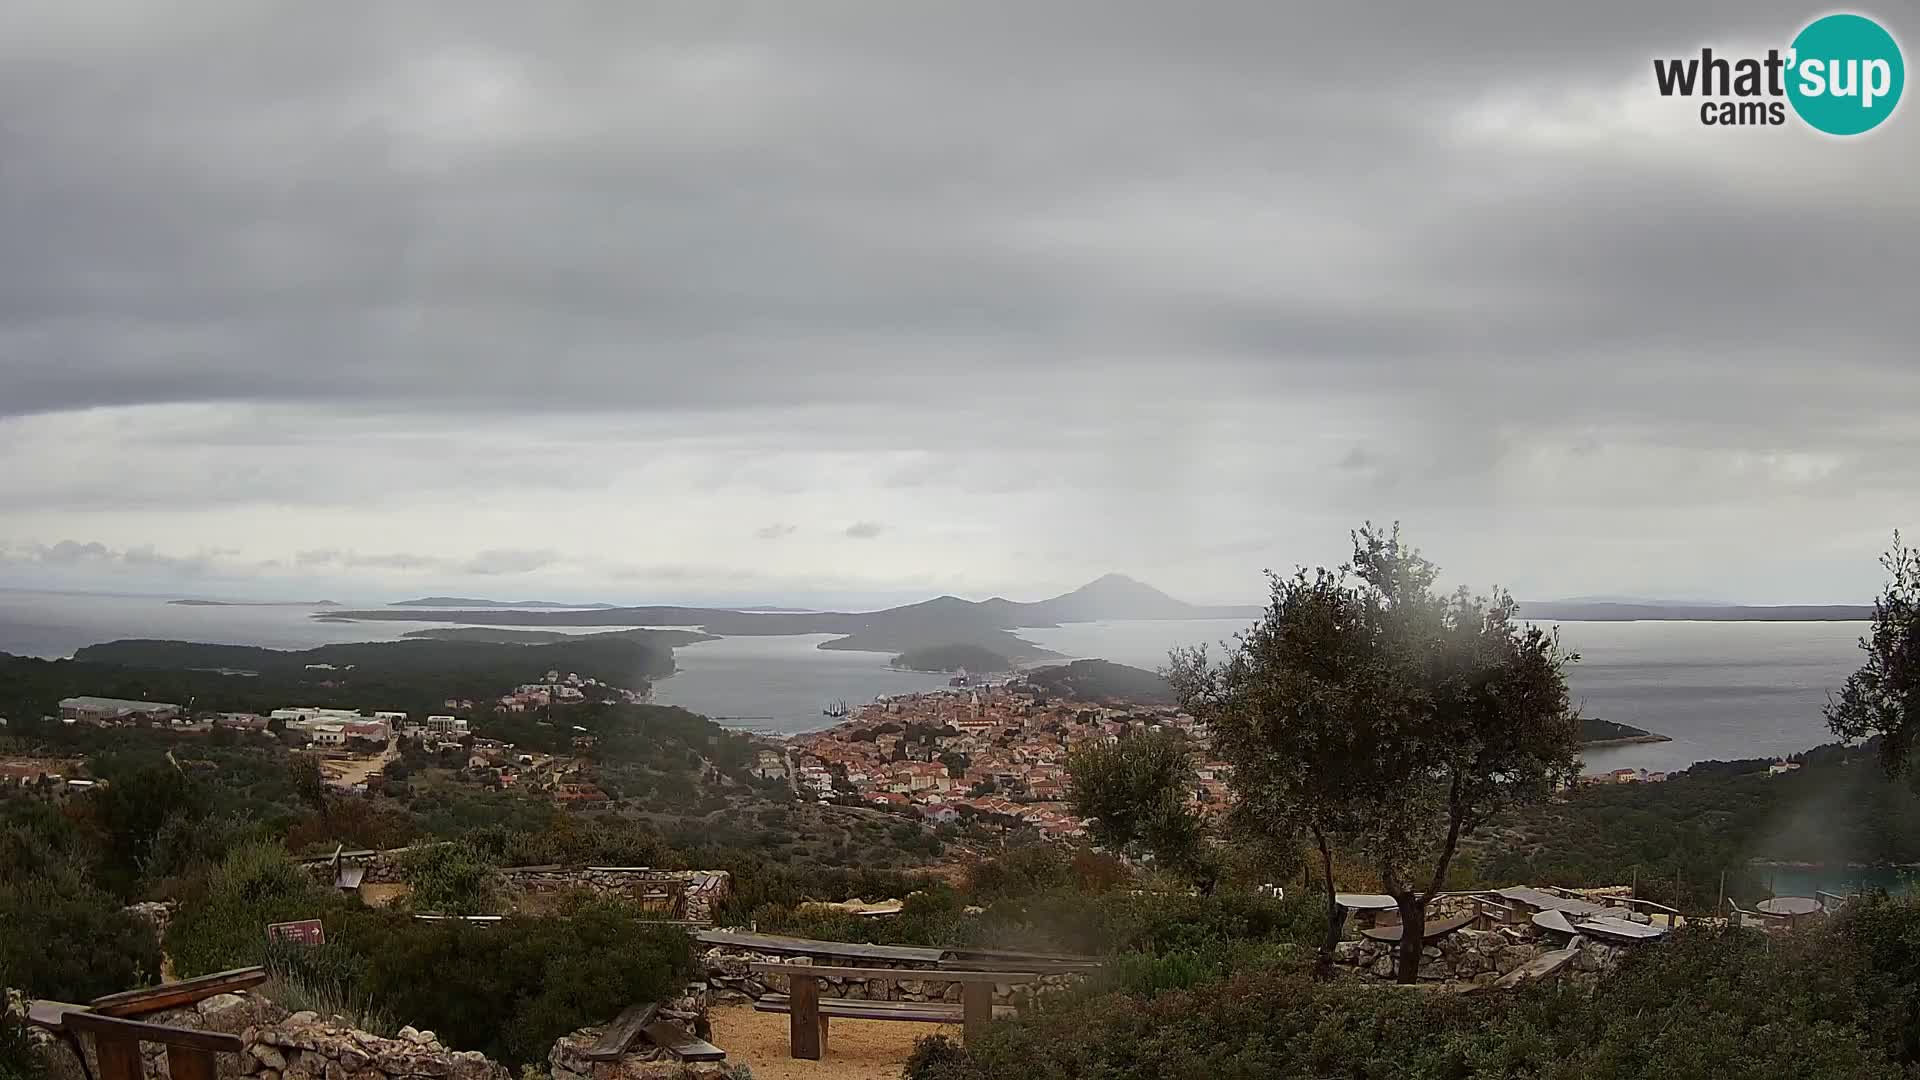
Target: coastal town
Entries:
(991, 751)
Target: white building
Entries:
(447, 725)
(309, 713)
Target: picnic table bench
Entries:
(1429, 932)
(779, 945)
(637, 1022)
(117, 1038)
(810, 1012)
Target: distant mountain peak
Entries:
(1114, 596)
(1118, 581)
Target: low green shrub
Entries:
(223, 924)
(509, 989)
(454, 878)
(61, 938)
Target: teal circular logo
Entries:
(1845, 74)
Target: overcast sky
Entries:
(850, 302)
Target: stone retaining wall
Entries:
(704, 891)
(303, 1046)
(732, 980)
(1471, 956)
(289, 1046)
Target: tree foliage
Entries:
(1883, 697)
(1137, 793)
(66, 940)
(1368, 712)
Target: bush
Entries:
(452, 878)
(1118, 922)
(224, 924)
(18, 1059)
(61, 938)
(1829, 1002)
(512, 988)
(1019, 872)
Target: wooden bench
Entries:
(636, 1022)
(116, 1041)
(1430, 932)
(175, 994)
(809, 1012)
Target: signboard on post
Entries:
(303, 932)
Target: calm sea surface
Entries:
(1720, 690)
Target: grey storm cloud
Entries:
(802, 204)
(1114, 263)
(68, 554)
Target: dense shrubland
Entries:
(1828, 1002)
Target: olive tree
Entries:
(1136, 792)
(1883, 697)
(1373, 714)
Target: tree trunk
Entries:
(1324, 968)
(1413, 925)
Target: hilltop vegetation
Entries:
(1595, 732)
(1103, 681)
(414, 676)
(1830, 1002)
(972, 658)
(1676, 838)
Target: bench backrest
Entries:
(825, 971)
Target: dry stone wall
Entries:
(289, 1046)
(1472, 956)
(703, 892)
(732, 980)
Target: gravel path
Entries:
(856, 1049)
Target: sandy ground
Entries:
(346, 772)
(856, 1049)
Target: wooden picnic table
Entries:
(776, 944)
(637, 1022)
(809, 1013)
(1430, 932)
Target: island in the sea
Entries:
(991, 625)
(471, 602)
(501, 636)
(973, 659)
(1597, 733)
(256, 603)
(931, 624)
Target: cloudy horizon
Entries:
(855, 303)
